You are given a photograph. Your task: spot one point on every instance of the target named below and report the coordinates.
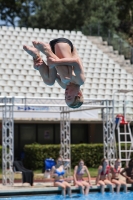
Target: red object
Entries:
(122, 119)
(107, 171)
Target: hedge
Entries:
(36, 153)
(0, 156)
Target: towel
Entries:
(26, 173)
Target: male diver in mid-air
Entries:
(63, 65)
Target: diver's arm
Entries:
(58, 79)
(75, 62)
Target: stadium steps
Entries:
(103, 75)
(103, 45)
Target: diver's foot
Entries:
(38, 62)
(32, 51)
(43, 47)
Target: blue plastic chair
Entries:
(48, 164)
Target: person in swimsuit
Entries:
(63, 65)
(58, 172)
(103, 177)
(79, 171)
(129, 172)
(115, 172)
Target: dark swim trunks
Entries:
(58, 40)
(61, 181)
(115, 179)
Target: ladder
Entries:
(125, 139)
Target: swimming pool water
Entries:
(91, 196)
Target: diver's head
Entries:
(73, 96)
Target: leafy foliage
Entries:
(35, 154)
(0, 156)
(103, 13)
(10, 10)
(60, 14)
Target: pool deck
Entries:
(42, 188)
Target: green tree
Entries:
(60, 14)
(125, 10)
(103, 13)
(57, 14)
(27, 10)
(75, 14)
(9, 10)
(44, 14)
(71, 14)
(125, 15)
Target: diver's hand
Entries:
(51, 62)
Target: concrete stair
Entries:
(120, 59)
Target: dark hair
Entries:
(59, 157)
(81, 160)
(117, 159)
(78, 101)
(102, 161)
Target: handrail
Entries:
(112, 39)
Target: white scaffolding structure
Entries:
(65, 137)
(7, 141)
(10, 105)
(110, 151)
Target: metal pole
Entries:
(120, 50)
(8, 142)
(108, 132)
(90, 29)
(98, 29)
(113, 134)
(65, 137)
(105, 131)
(131, 60)
(109, 37)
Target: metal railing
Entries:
(112, 39)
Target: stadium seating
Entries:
(103, 75)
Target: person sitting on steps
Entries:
(58, 172)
